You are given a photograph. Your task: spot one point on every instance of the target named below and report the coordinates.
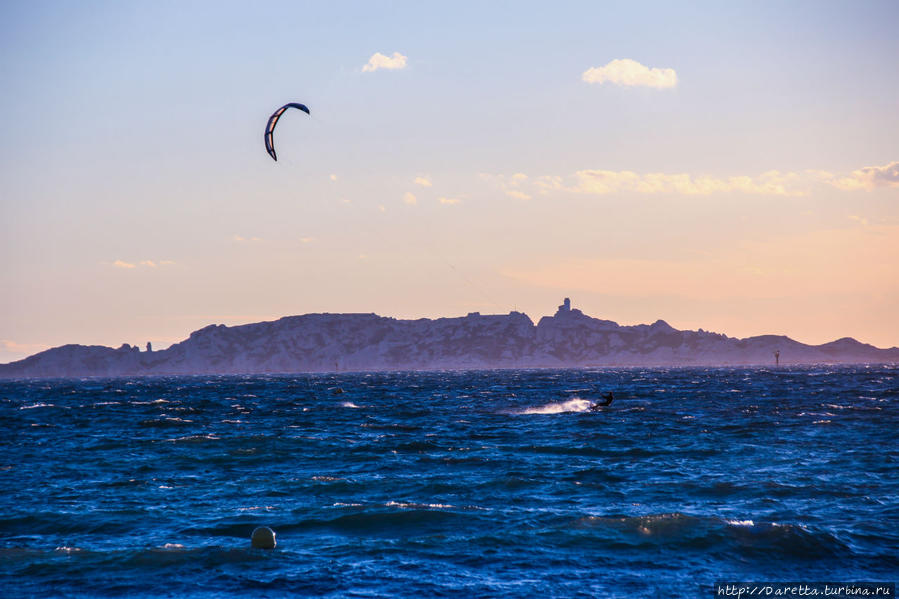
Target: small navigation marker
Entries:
(263, 538)
(777, 358)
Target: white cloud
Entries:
(510, 185)
(624, 71)
(600, 182)
(382, 208)
(869, 178)
(146, 263)
(410, 198)
(333, 177)
(603, 182)
(517, 194)
(770, 183)
(448, 201)
(242, 239)
(379, 61)
(12, 346)
(11, 350)
(423, 181)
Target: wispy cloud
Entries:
(424, 181)
(627, 72)
(333, 177)
(11, 351)
(448, 201)
(869, 178)
(770, 183)
(603, 182)
(144, 263)
(409, 198)
(510, 185)
(379, 61)
(22, 348)
(242, 239)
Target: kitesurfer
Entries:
(607, 399)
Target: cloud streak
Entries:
(630, 73)
(770, 183)
(869, 178)
(145, 263)
(510, 185)
(378, 61)
(604, 182)
(11, 350)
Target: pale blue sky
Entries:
(132, 132)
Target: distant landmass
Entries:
(368, 342)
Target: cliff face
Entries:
(358, 342)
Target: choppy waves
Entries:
(496, 484)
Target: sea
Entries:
(452, 484)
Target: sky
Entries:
(730, 166)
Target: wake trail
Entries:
(575, 404)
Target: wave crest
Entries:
(575, 404)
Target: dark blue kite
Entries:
(270, 127)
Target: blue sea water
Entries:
(449, 484)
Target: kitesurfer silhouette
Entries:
(608, 399)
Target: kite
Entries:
(270, 127)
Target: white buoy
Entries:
(263, 538)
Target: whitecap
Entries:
(740, 522)
(349, 404)
(572, 405)
(194, 438)
(419, 506)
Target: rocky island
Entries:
(368, 342)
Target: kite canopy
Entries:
(270, 127)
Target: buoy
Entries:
(263, 538)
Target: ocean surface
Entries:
(449, 484)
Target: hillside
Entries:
(363, 342)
